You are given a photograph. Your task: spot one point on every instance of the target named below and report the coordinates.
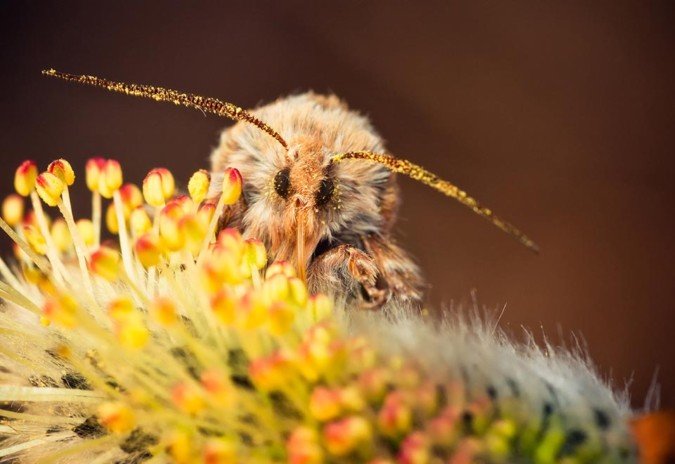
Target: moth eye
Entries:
(282, 182)
(325, 192)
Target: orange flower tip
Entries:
(50, 188)
(152, 189)
(86, 230)
(13, 209)
(25, 177)
(395, 417)
(198, 185)
(232, 184)
(148, 250)
(63, 170)
(324, 404)
(281, 318)
(164, 311)
(345, 436)
(270, 372)
(111, 219)
(280, 267)
(120, 308)
(105, 262)
(230, 239)
(303, 447)
(214, 381)
(62, 310)
(224, 306)
(169, 221)
(205, 213)
(220, 451)
(414, 449)
(188, 398)
(168, 182)
(111, 178)
(131, 196)
(93, 172)
(117, 417)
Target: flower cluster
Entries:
(181, 343)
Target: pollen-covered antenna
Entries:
(420, 174)
(205, 104)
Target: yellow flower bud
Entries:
(344, 436)
(132, 333)
(303, 447)
(86, 230)
(152, 189)
(168, 183)
(188, 398)
(63, 170)
(220, 451)
(62, 310)
(12, 209)
(232, 183)
(169, 231)
(205, 213)
(111, 178)
(139, 222)
(193, 232)
(132, 198)
(275, 288)
(281, 318)
(105, 262)
(61, 235)
(117, 417)
(224, 306)
(50, 188)
(163, 310)
(320, 306)
(93, 173)
(35, 239)
(148, 250)
(121, 308)
(298, 291)
(255, 253)
(111, 219)
(25, 177)
(324, 404)
(219, 387)
(198, 186)
(280, 267)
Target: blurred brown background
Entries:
(559, 116)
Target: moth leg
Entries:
(397, 270)
(348, 274)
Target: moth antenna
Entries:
(205, 104)
(420, 174)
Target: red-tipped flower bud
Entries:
(50, 188)
(231, 186)
(24, 179)
(63, 170)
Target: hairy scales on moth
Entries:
(319, 191)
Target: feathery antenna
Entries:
(205, 104)
(420, 174)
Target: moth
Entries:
(319, 190)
